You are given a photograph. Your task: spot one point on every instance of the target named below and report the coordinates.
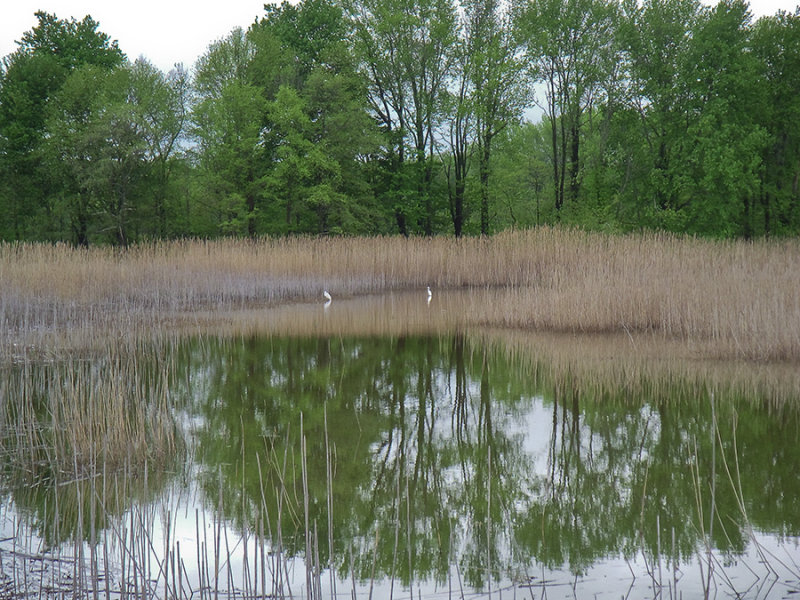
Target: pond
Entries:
(409, 465)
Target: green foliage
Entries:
(405, 53)
(776, 46)
(314, 31)
(228, 130)
(282, 126)
(409, 116)
(112, 136)
(577, 50)
(31, 77)
(71, 43)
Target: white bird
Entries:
(327, 295)
(430, 294)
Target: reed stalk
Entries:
(489, 521)
(329, 452)
(60, 420)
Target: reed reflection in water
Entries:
(415, 464)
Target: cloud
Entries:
(165, 32)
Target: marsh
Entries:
(191, 420)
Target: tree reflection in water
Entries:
(416, 462)
(445, 458)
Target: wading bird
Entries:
(327, 295)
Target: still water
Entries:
(416, 466)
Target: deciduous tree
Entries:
(31, 77)
(567, 45)
(405, 48)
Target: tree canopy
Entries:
(417, 117)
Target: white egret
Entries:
(327, 295)
(430, 294)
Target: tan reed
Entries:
(740, 298)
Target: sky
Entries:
(176, 31)
(165, 32)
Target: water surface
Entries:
(418, 465)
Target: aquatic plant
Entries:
(736, 298)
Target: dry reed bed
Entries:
(63, 420)
(741, 297)
(642, 369)
(634, 365)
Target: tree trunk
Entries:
(80, 226)
(251, 214)
(122, 234)
(575, 141)
(458, 212)
(250, 200)
(747, 227)
(558, 198)
(562, 160)
(400, 217)
(483, 169)
(795, 198)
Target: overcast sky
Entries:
(173, 31)
(166, 31)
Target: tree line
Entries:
(417, 117)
